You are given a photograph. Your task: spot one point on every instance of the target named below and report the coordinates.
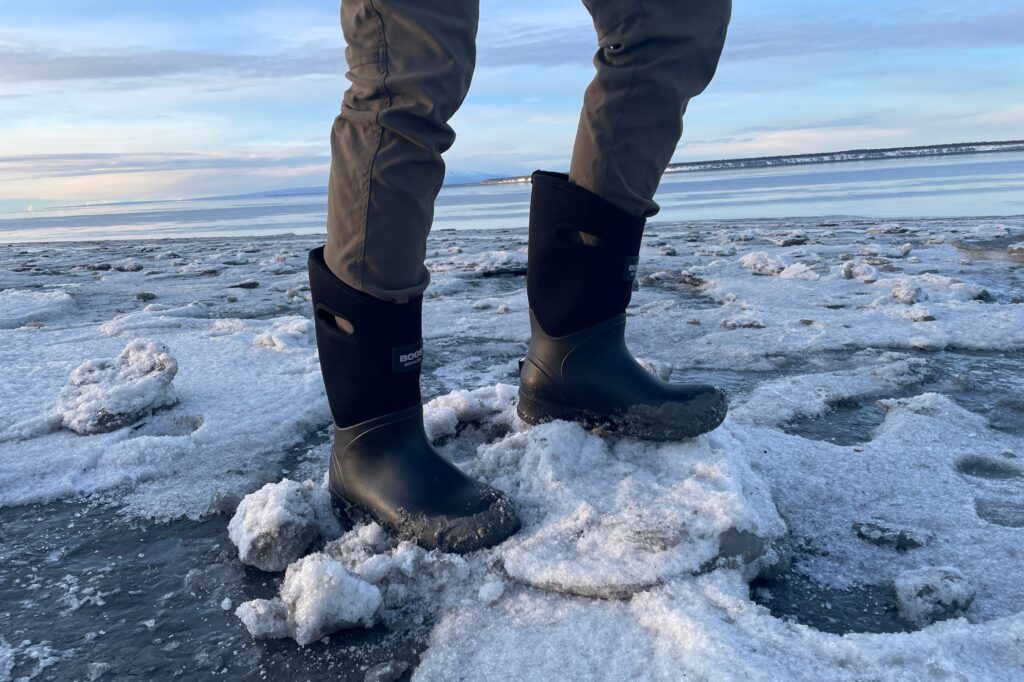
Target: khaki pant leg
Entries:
(410, 65)
(652, 57)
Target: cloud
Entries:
(784, 31)
(871, 29)
(94, 164)
(19, 63)
(756, 33)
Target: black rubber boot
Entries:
(583, 255)
(382, 465)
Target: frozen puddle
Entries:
(858, 516)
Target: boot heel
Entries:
(349, 513)
(531, 412)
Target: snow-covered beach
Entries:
(858, 516)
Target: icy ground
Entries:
(859, 516)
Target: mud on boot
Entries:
(383, 467)
(583, 255)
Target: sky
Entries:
(122, 100)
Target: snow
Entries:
(412, 581)
(702, 628)
(760, 263)
(899, 324)
(778, 401)
(106, 395)
(322, 597)
(491, 592)
(287, 334)
(22, 307)
(241, 405)
(929, 594)
(606, 519)
(264, 618)
(275, 525)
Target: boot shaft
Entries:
(375, 370)
(583, 254)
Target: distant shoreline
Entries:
(820, 157)
(959, 148)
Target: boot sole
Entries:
(353, 513)
(667, 422)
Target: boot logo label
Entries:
(629, 274)
(407, 358)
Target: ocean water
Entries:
(951, 186)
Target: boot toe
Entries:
(690, 411)
(485, 522)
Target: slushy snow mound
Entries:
(318, 597)
(287, 333)
(606, 518)
(485, 264)
(930, 594)
(19, 307)
(322, 597)
(275, 525)
(414, 582)
(106, 395)
(761, 263)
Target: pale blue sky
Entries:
(133, 99)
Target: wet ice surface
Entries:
(876, 432)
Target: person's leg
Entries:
(653, 56)
(586, 227)
(410, 64)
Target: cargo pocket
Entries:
(367, 57)
(618, 35)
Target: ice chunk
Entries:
(761, 263)
(491, 591)
(412, 581)
(798, 271)
(96, 670)
(386, 672)
(906, 292)
(442, 415)
(917, 313)
(860, 271)
(105, 395)
(882, 534)
(791, 238)
(322, 597)
(264, 618)
(935, 593)
(484, 264)
(275, 525)
(287, 333)
(743, 321)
